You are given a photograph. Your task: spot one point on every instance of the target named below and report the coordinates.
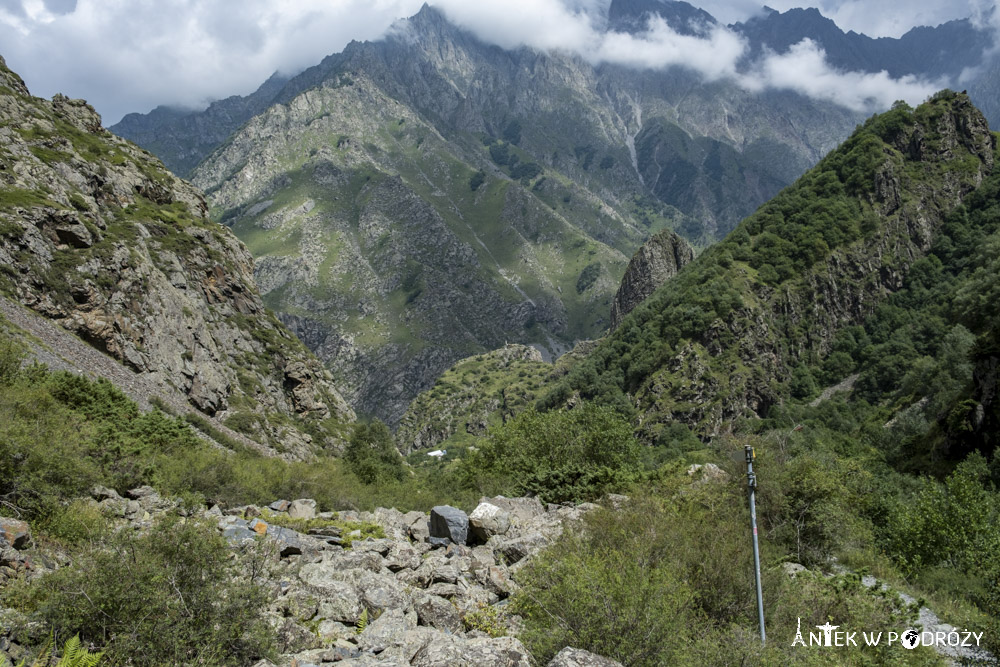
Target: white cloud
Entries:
(805, 70)
(131, 55)
(714, 56)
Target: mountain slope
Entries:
(96, 235)
(722, 340)
(427, 197)
(182, 138)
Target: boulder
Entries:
(279, 506)
(449, 523)
(436, 612)
(339, 602)
(303, 508)
(488, 520)
(419, 527)
(100, 493)
(575, 657)
(238, 534)
(14, 532)
(521, 510)
(386, 630)
(290, 543)
(450, 651)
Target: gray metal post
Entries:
(752, 483)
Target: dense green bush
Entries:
(610, 589)
(955, 523)
(560, 456)
(173, 595)
(668, 581)
(372, 456)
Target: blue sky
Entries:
(132, 55)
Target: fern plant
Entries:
(74, 654)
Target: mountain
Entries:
(181, 138)
(735, 333)
(97, 236)
(427, 197)
(944, 51)
(633, 16)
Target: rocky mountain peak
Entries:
(11, 80)
(634, 15)
(658, 260)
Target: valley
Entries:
(449, 349)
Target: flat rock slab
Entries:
(576, 657)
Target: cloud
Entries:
(804, 69)
(132, 55)
(715, 54)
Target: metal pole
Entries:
(752, 483)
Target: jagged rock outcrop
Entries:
(658, 260)
(96, 235)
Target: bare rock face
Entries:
(653, 264)
(98, 236)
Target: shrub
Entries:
(954, 523)
(588, 277)
(372, 456)
(12, 355)
(561, 456)
(79, 522)
(170, 596)
(476, 180)
(609, 588)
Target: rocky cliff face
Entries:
(96, 235)
(658, 260)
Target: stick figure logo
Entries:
(910, 638)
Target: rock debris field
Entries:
(431, 592)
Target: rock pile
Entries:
(430, 589)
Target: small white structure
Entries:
(438, 453)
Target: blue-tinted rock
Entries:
(450, 523)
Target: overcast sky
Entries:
(132, 55)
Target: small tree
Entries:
(372, 456)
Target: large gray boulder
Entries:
(304, 508)
(436, 612)
(449, 523)
(522, 511)
(576, 657)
